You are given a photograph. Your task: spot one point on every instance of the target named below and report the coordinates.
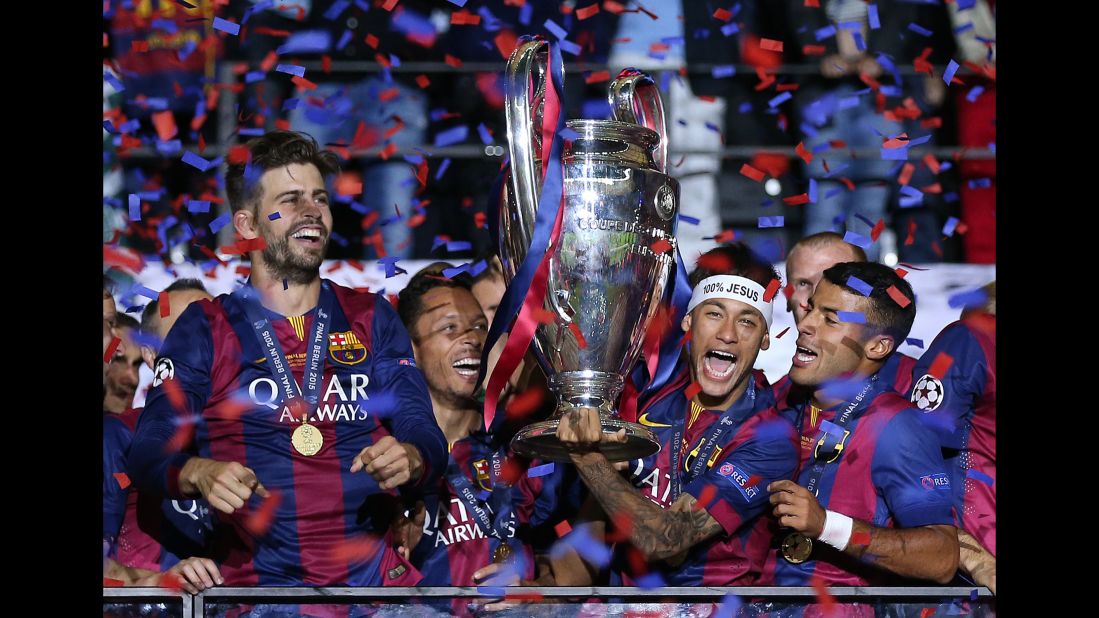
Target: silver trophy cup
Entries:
(605, 277)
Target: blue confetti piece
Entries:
(478, 268)
(980, 476)
(829, 194)
(593, 551)
(969, 298)
(194, 206)
(690, 220)
(337, 7)
(781, 98)
(856, 239)
(274, 216)
(450, 273)
(219, 223)
(951, 69)
(570, 48)
(894, 154)
(187, 49)
(340, 240)
(483, 495)
(746, 108)
(855, 317)
(542, 470)
(919, 141)
(442, 169)
(306, 42)
(830, 428)
(451, 136)
(390, 265)
(843, 388)
(730, 28)
(766, 222)
(486, 137)
(980, 183)
(918, 29)
(556, 30)
(964, 5)
(135, 207)
(196, 161)
(973, 93)
(973, 595)
(730, 605)
(254, 76)
(491, 591)
(458, 3)
(291, 69)
(525, 13)
(650, 580)
(345, 38)
(166, 25)
(824, 33)
(991, 146)
(863, 287)
(113, 81)
(950, 225)
(459, 245)
(226, 26)
(359, 208)
(568, 134)
(254, 132)
(146, 292)
(963, 28)
(872, 16)
(859, 43)
(891, 91)
(438, 242)
(724, 70)
(813, 189)
(912, 341)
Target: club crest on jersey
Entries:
(481, 468)
(345, 348)
(928, 393)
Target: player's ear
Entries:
(244, 222)
(686, 323)
(148, 355)
(766, 343)
(879, 347)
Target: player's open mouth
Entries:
(718, 364)
(804, 356)
(309, 236)
(467, 367)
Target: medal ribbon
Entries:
(841, 422)
(492, 519)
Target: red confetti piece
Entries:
(422, 81)
(784, 331)
(824, 597)
(453, 61)
(464, 18)
(906, 174)
(661, 246)
(524, 403)
(326, 64)
(389, 94)
(927, 611)
(543, 316)
(115, 342)
(511, 471)
(269, 61)
(587, 11)
(105, 43)
(113, 583)
(123, 480)
(580, 341)
(123, 258)
(613, 7)
(813, 50)
(860, 538)
(259, 521)
(706, 496)
(389, 4)
(360, 549)
(371, 40)
(813, 4)
(932, 163)
(349, 184)
(751, 172)
(770, 45)
(896, 142)
(900, 272)
(898, 297)
(388, 151)
(523, 596)
(165, 124)
(940, 365)
(505, 42)
(714, 261)
(479, 219)
(796, 200)
(303, 83)
(623, 526)
(139, 46)
(804, 153)
(879, 227)
(562, 528)
(597, 77)
(692, 390)
(772, 289)
(175, 394)
(725, 236)
(162, 304)
(847, 183)
(722, 15)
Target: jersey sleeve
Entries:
(403, 389)
(908, 471)
(163, 441)
(116, 443)
(948, 399)
(734, 489)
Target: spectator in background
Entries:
(122, 374)
(181, 293)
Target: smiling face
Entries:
(110, 313)
(726, 337)
(122, 374)
(297, 239)
(447, 338)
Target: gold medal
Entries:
(796, 548)
(307, 439)
(502, 553)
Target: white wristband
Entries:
(837, 529)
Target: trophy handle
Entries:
(524, 85)
(634, 98)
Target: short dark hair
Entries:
(150, 316)
(823, 239)
(410, 300)
(269, 151)
(884, 314)
(125, 320)
(733, 259)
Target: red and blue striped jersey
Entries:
(889, 472)
(732, 488)
(325, 526)
(116, 445)
(960, 403)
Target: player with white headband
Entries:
(721, 441)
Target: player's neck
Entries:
(821, 396)
(456, 421)
(296, 299)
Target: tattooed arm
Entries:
(656, 532)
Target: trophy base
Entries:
(540, 440)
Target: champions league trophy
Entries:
(604, 276)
